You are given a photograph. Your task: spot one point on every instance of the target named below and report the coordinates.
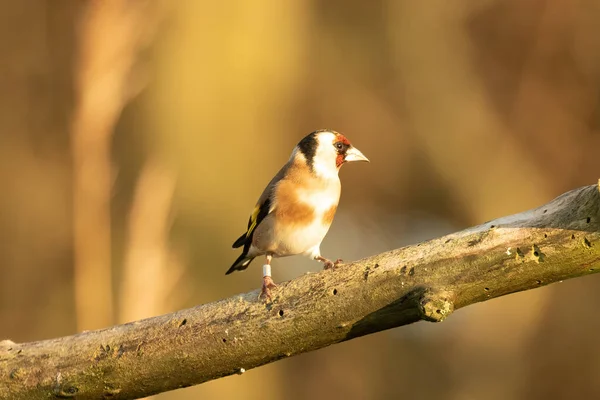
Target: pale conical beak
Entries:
(353, 154)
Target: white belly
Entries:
(299, 240)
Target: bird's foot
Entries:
(331, 264)
(267, 285)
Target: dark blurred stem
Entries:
(110, 35)
(426, 281)
(91, 207)
(147, 252)
(96, 112)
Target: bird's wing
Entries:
(264, 206)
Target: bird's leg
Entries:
(328, 264)
(267, 280)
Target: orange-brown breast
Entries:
(290, 210)
(329, 214)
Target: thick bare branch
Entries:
(427, 281)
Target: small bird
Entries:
(295, 211)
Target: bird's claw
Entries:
(267, 285)
(332, 264)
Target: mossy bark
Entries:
(426, 281)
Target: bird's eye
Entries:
(339, 145)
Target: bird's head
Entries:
(326, 151)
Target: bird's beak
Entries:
(353, 154)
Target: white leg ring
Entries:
(266, 270)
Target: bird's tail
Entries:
(240, 241)
(240, 264)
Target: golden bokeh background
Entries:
(135, 137)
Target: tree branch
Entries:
(426, 281)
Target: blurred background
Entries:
(136, 136)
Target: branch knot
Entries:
(436, 305)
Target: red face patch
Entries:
(341, 144)
(342, 138)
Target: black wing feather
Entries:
(246, 239)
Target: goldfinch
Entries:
(295, 211)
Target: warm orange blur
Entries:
(136, 136)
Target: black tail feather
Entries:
(240, 264)
(240, 241)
